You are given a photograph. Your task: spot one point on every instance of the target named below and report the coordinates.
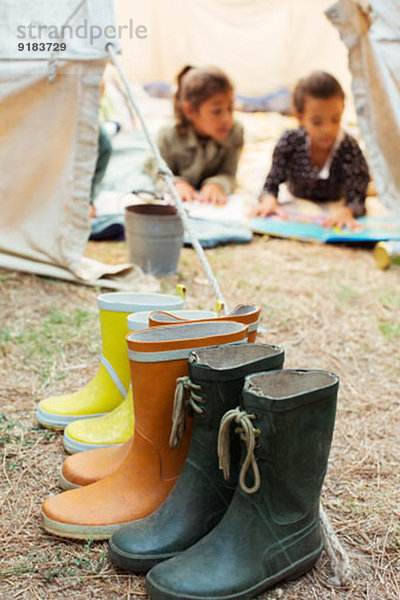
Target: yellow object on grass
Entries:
(108, 387)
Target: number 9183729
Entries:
(42, 46)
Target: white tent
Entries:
(49, 103)
(371, 32)
(49, 100)
(262, 44)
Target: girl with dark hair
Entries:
(318, 161)
(202, 148)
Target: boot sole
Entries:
(297, 570)
(64, 483)
(79, 532)
(142, 562)
(73, 446)
(55, 421)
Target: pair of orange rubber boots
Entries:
(122, 484)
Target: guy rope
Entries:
(166, 174)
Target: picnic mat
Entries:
(212, 225)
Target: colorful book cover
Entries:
(310, 228)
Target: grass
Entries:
(345, 293)
(390, 300)
(390, 329)
(73, 569)
(51, 332)
(43, 340)
(329, 307)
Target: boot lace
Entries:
(185, 399)
(248, 434)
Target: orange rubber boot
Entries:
(248, 314)
(94, 465)
(88, 467)
(139, 486)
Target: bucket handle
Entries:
(153, 195)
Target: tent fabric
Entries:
(92, 273)
(263, 45)
(48, 149)
(372, 36)
(49, 135)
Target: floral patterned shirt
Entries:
(345, 174)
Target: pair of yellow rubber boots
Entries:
(101, 414)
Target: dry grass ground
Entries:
(329, 307)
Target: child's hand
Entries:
(186, 191)
(268, 205)
(343, 217)
(91, 211)
(213, 194)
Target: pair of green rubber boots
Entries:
(244, 514)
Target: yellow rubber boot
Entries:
(116, 427)
(109, 387)
(111, 429)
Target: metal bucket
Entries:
(154, 234)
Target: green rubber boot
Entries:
(271, 531)
(201, 496)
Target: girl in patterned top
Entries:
(318, 161)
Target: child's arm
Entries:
(268, 203)
(342, 217)
(166, 140)
(215, 189)
(186, 191)
(356, 178)
(212, 193)
(164, 143)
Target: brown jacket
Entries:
(199, 161)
